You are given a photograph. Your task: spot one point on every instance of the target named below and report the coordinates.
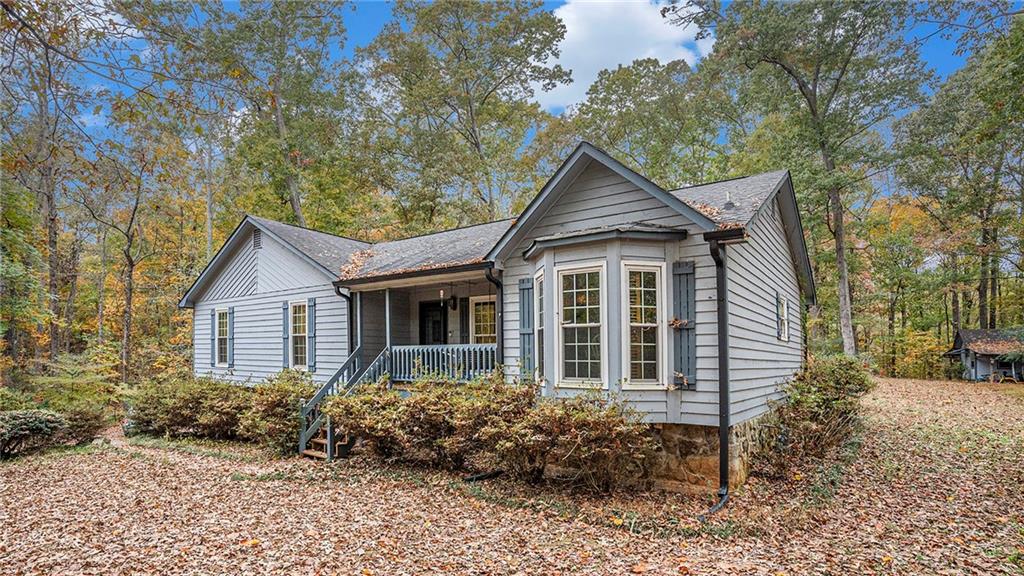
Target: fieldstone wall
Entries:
(688, 459)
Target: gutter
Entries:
(499, 307)
(717, 242)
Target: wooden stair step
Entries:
(318, 454)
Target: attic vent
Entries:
(257, 239)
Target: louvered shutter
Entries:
(284, 334)
(526, 355)
(684, 334)
(778, 316)
(213, 337)
(311, 334)
(231, 337)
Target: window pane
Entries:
(644, 329)
(484, 326)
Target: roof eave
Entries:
(362, 280)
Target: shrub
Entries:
(189, 406)
(273, 415)
(22, 431)
(84, 416)
(821, 410)
(602, 444)
(14, 400)
(82, 388)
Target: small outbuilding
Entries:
(990, 354)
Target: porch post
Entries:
(359, 319)
(387, 317)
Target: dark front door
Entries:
(433, 323)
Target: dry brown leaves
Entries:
(937, 489)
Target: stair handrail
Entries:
(347, 371)
(382, 358)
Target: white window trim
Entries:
(663, 334)
(538, 342)
(291, 336)
(472, 324)
(601, 268)
(217, 337)
(783, 314)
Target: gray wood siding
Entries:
(599, 197)
(281, 269)
(236, 277)
(759, 362)
(257, 329)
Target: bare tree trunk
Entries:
(983, 282)
(101, 284)
(291, 179)
(52, 258)
(126, 319)
(845, 303)
(993, 282)
(74, 260)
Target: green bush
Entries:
(272, 418)
(22, 431)
(821, 410)
(189, 407)
(82, 388)
(14, 400)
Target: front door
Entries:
(433, 323)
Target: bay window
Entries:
(581, 325)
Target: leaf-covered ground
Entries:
(933, 485)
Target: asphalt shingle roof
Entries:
(447, 249)
(731, 202)
(328, 250)
(993, 341)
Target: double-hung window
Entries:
(297, 335)
(645, 324)
(222, 338)
(538, 289)
(581, 325)
(483, 327)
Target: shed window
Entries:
(222, 337)
(298, 335)
(782, 317)
(644, 324)
(483, 328)
(581, 325)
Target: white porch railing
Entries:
(462, 362)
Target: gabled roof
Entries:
(990, 342)
(326, 252)
(581, 157)
(456, 248)
(732, 202)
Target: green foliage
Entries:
(494, 425)
(22, 431)
(821, 410)
(11, 399)
(272, 418)
(189, 407)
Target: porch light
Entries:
(442, 293)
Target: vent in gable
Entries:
(257, 239)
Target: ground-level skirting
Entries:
(688, 458)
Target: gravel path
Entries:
(936, 488)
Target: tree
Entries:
(451, 105)
(657, 117)
(840, 69)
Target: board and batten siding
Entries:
(759, 362)
(600, 197)
(254, 282)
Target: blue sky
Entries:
(603, 35)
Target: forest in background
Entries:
(136, 134)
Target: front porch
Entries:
(445, 325)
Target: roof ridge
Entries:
(734, 178)
(307, 229)
(447, 230)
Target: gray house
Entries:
(684, 303)
(990, 354)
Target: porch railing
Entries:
(462, 362)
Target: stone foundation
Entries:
(688, 459)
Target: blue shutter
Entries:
(231, 337)
(526, 356)
(284, 334)
(684, 333)
(213, 337)
(778, 316)
(311, 335)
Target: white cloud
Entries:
(603, 35)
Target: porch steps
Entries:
(318, 446)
